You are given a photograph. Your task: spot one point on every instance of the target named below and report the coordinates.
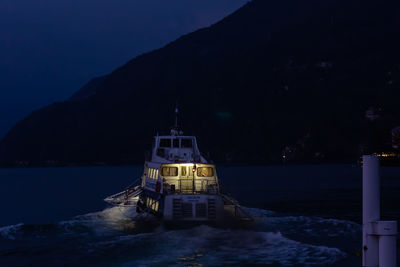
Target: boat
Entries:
(179, 185)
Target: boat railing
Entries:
(125, 198)
(190, 186)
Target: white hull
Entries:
(193, 208)
(178, 184)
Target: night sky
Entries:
(49, 49)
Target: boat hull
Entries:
(200, 208)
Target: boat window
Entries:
(165, 142)
(156, 175)
(161, 152)
(183, 171)
(205, 172)
(156, 206)
(176, 143)
(186, 143)
(169, 171)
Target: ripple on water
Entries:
(112, 237)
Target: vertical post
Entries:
(371, 209)
(387, 251)
(194, 178)
(387, 231)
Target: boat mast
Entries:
(175, 129)
(176, 115)
(177, 132)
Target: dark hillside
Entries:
(292, 78)
(88, 89)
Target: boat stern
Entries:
(193, 207)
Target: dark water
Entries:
(304, 216)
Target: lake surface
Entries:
(304, 216)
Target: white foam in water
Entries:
(8, 232)
(307, 225)
(270, 241)
(103, 222)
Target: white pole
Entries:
(387, 231)
(371, 209)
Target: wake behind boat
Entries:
(178, 184)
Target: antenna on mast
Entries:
(176, 114)
(175, 129)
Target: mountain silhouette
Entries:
(274, 80)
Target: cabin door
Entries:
(186, 179)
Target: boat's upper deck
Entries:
(176, 148)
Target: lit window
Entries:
(183, 171)
(156, 206)
(205, 172)
(169, 171)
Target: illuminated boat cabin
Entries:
(177, 182)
